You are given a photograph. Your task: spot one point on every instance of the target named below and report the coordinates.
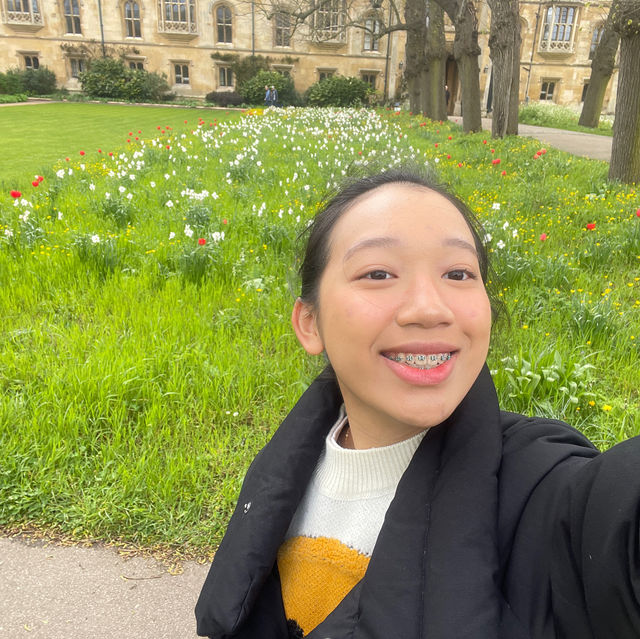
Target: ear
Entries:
(305, 325)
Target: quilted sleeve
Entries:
(595, 570)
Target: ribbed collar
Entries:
(351, 474)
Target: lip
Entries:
(422, 376)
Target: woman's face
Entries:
(402, 312)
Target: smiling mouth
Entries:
(419, 360)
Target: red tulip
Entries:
(504, 173)
(224, 220)
(496, 161)
(16, 194)
(202, 241)
(591, 226)
(35, 183)
(543, 237)
(81, 152)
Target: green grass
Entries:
(559, 117)
(35, 136)
(141, 370)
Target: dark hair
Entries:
(318, 234)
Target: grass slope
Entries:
(145, 357)
(35, 136)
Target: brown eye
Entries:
(459, 275)
(377, 275)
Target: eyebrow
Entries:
(389, 242)
(460, 243)
(372, 242)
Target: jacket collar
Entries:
(434, 567)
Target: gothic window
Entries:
(77, 66)
(547, 89)
(23, 12)
(225, 77)
(371, 31)
(323, 74)
(132, 19)
(72, 16)
(31, 62)
(224, 24)
(283, 27)
(370, 78)
(558, 27)
(177, 16)
(329, 20)
(181, 73)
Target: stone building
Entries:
(558, 41)
(178, 38)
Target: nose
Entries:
(424, 303)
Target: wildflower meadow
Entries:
(145, 293)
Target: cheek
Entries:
(475, 314)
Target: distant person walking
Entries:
(267, 96)
(274, 96)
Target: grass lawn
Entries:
(555, 116)
(33, 137)
(146, 352)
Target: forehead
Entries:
(408, 211)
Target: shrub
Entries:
(40, 81)
(143, 86)
(245, 68)
(8, 99)
(11, 82)
(338, 91)
(224, 98)
(253, 90)
(111, 78)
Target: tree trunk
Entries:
(601, 69)
(625, 153)
(434, 103)
(504, 44)
(415, 19)
(466, 52)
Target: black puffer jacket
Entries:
(501, 527)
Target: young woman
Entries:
(396, 500)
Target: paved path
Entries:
(588, 145)
(71, 592)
